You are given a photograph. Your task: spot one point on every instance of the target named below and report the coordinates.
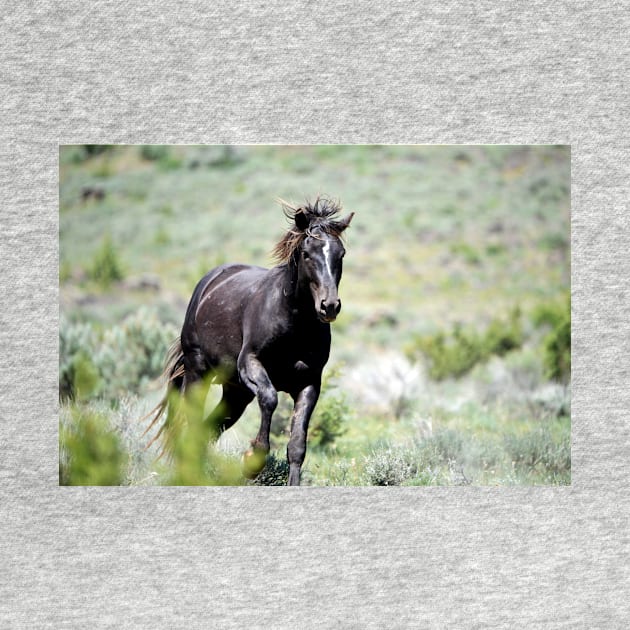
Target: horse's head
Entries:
(317, 250)
(320, 261)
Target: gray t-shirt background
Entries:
(400, 72)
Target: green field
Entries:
(451, 358)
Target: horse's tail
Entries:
(173, 376)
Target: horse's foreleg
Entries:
(255, 378)
(305, 402)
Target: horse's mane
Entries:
(322, 214)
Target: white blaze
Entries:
(326, 250)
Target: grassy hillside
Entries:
(455, 298)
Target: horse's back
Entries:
(234, 279)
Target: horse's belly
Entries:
(219, 334)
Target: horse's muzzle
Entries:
(328, 311)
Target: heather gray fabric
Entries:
(401, 72)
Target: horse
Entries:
(258, 331)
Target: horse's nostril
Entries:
(329, 310)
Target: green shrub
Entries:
(108, 363)
(557, 348)
(228, 158)
(106, 267)
(554, 241)
(426, 463)
(96, 149)
(467, 252)
(329, 420)
(539, 450)
(161, 155)
(161, 237)
(442, 447)
(186, 444)
(75, 340)
(154, 152)
(455, 354)
(495, 249)
(331, 470)
(65, 272)
(503, 336)
(557, 343)
(133, 353)
(389, 467)
(332, 413)
(275, 472)
(90, 453)
(551, 313)
(80, 153)
(85, 376)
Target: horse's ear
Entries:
(345, 222)
(302, 220)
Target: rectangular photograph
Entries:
(317, 315)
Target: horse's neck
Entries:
(299, 298)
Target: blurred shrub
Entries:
(85, 376)
(79, 153)
(218, 156)
(442, 447)
(557, 347)
(502, 336)
(154, 152)
(110, 363)
(186, 443)
(75, 342)
(555, 241)
(162, 155)
(550, 313)
(161, 237)
(332, 413)
(90, 453)
(228, 158)
(106, 267)
(557, 344)
(65, 272)
(91, 150)
(455, 354)
(467, 252)
(538, 449)
(495, 249)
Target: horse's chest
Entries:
(293, 363)
(291, 355)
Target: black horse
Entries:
(259, 331)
